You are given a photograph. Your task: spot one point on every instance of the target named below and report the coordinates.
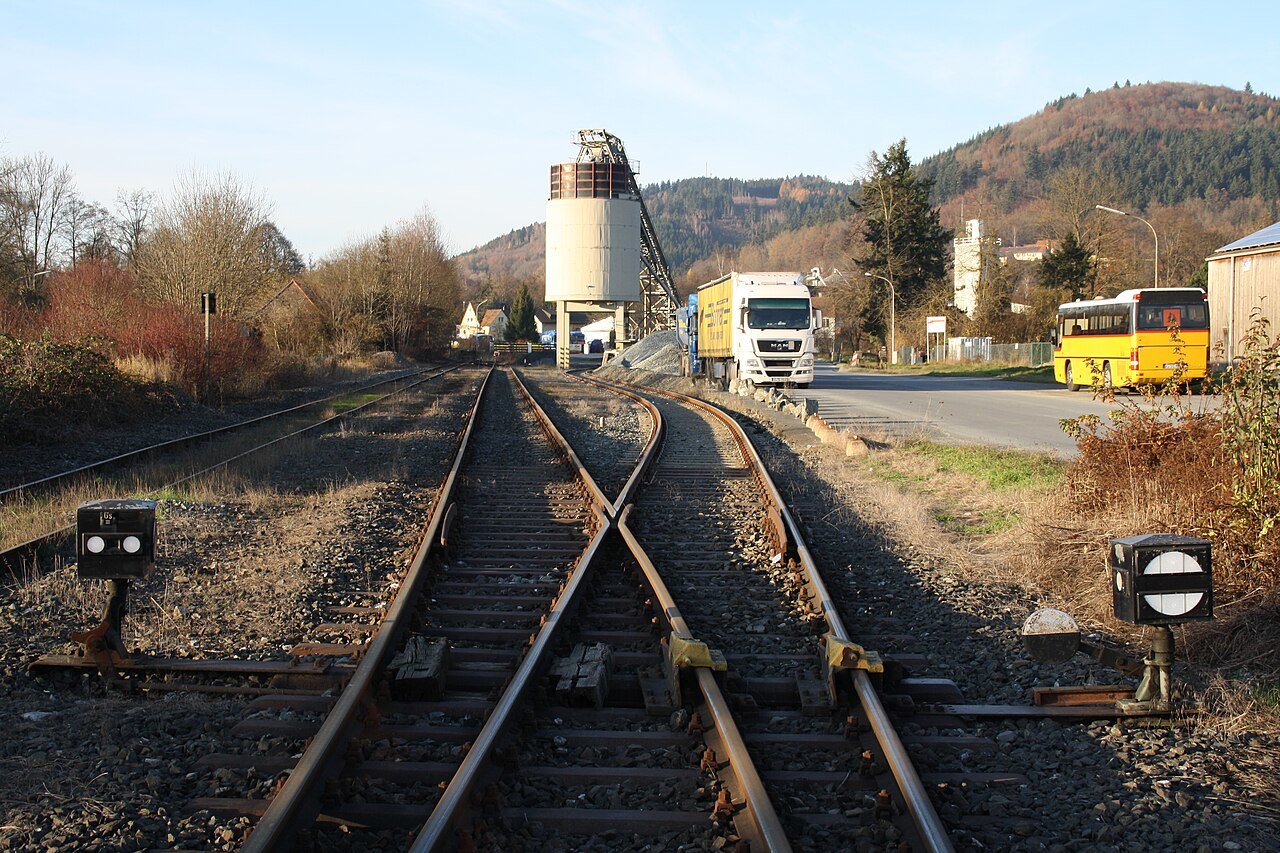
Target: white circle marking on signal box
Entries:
(1173, 603)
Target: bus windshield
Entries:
(777, 313)
(1183, 315)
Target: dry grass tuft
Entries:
(148, 370)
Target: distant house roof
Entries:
(1030, 251)
(1266, 237)
(491, 316)
(293, 295)
(542, 315)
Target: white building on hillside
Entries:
(967, 265)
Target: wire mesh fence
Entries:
(980, 350)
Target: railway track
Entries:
(651, 664)
(645, 731)
(193, 456)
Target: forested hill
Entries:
(695, 218)
(1166, 143)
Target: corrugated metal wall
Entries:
(1256, 286)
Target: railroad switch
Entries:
(104, 643)
(1052, 636)
(686, 652)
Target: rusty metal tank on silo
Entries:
(593, 234)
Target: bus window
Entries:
(1184, 316)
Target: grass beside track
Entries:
(998, 469)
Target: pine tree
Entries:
(1070, 266)
(904, 241)
(520, 326)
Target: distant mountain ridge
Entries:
(1165, 143)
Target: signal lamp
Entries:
(1161, 578)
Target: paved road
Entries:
(962, 409)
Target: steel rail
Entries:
(764, 818)
(191, 439)
(13, 556)
(554, 436)
(916, 799)
(438, 832)
(294, 806)
(647, 456)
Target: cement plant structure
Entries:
(602, 251)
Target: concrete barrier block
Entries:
(855, 446)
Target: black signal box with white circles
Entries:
(115, 539)
(1161, 578)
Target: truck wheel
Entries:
(1071, 379)
(1106, 376)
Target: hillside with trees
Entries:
(698, 220)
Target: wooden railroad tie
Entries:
(418, 670)
(583, 676)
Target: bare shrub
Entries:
(1160, 467)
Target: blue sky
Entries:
(347, 117)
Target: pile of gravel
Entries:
(657, 353)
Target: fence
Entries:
(982, 350)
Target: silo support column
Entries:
(620, 327)
(562, 335)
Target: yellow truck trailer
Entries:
(755, 327)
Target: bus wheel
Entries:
(1071, 379)
(1106, 376)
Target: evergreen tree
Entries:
(520, 326)
(1070, 266)
(904, 241)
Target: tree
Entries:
(208, 237)
(902, 239)
(282, 258)
(520, 327)
(400, 287)
(133, 213)
(1070, 266)
(33, 203)
(86, 228)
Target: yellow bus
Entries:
(1140, 337)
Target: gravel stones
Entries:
(244, 576)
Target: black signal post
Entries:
(115, 542)
(1160, 579)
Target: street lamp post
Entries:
(893, 325)
(1154, 236)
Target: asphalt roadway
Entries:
(953, 409)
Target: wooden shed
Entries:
(1244, 277)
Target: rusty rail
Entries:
(915, 798)
(14, 556)
(295, 806)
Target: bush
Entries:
(1158, 466)
(50, 388)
